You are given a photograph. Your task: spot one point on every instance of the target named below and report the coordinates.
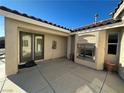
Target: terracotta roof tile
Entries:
(32, 17)
(98, 24)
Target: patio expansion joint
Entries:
(46, 80)
(81, 77)
(3, 85)
(103, 82)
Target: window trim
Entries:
(113, 43)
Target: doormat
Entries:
(27, 65)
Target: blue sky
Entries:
(68, 13)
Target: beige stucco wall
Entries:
(121, 58)
(97, 37)
(61, 49)
(12, 28)
(68, 47)
(11, 46)
(121, 15)
(88, 38)
(100, 50)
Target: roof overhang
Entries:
(119, 10)
(110, 26)
(31, 21)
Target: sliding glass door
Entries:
(38, 47)
(26, 46)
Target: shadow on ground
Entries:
(62, 76)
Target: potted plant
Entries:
(110, 66)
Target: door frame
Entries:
(32, 45)
(20, 47)
(117, 50)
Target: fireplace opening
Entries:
(86, 51)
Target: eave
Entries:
(118, 10)
(32, 21)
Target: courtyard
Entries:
(61, 76)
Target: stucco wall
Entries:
(121, 60)
(11, 46)
(68, 47)
(88, 38)
(61, 49)
(121, 16)
(100, 50)
(12, 28)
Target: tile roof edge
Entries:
(98, 24)
(118, 6)
(32, 17)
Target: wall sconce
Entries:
(54, 44)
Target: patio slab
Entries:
(28, 79)
(2, 74)
(2, 80)
(62, 76)
(113, 84)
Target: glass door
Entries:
(38, 47)
(25, 47)
(112, 47)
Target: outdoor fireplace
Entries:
(86, 51)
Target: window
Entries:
(112, 43)
(86, 51)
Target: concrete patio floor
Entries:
(61, 76)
